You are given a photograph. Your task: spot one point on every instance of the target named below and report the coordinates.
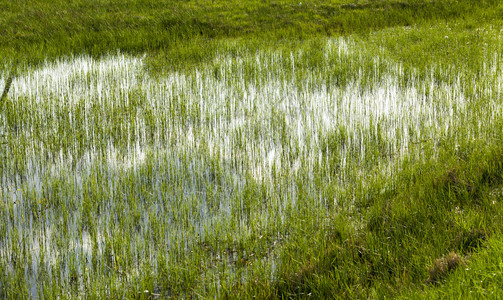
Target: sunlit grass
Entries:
(119, 182)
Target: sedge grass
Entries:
(282, 172)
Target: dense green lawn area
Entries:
(38, 29)
(151, 174)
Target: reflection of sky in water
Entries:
(250, 126)
(242, 118)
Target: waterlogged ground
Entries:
(115, 181)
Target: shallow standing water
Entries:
(111, 172)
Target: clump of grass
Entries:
(470, 240)
(443, 266)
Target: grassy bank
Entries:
(413, 238)
(268, 150)
(36, 30)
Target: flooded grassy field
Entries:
(119, 182)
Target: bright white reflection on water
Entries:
(242, 118)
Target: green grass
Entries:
(275, 149)
(37, 30)
(478, 277)
(405, 230)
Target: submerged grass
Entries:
(355, 167)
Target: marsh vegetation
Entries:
(349, 166)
